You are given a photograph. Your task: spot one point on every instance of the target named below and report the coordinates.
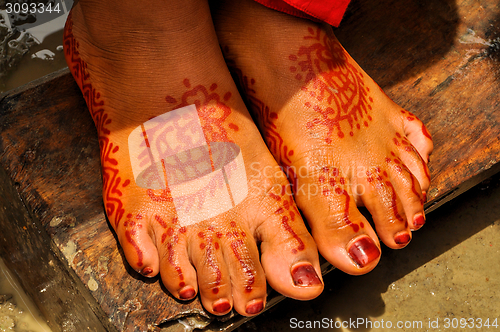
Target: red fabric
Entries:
(329, 11)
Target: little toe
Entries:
(418, 135)
(288, 246)
(138, 246)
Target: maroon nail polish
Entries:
(419, 221)
(402, 238)
(305, 275)
(222, 306)
(364, 251)
(146, 271)
(254, 308)
(187, 293)
(424, 195)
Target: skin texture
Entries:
(341, 141)
(127, 83)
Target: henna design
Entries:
(112, 182)
(380, 179)
(287, 212)
(400, 167)
(172, 233)
(409, 116)
(264, 118)
(332, 183)
(335, 83)
(131, 227)
(212, 110)
(401, 140)
(184, 145)
(426, 132)
(210, 246)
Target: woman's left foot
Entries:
(342, 141)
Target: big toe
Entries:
(289, 254)
(343, 236)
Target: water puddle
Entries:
(17, 311)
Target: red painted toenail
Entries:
(424, 195)
(222, 306)
(305, 275)
(255, 307)
(187, 293)
(364, 251)
(419, 221)
(146, 271)
(402, 238)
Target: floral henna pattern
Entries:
(333, 83)
(212, 110)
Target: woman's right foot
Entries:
(189, 185)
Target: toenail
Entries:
(419, 221)
(255, 307)
(305, 275)
(424, 195)
(222, 306)
(146, 271)
(187, 293)
(402, 238)
(364, 251)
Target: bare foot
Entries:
(342, 141)
(182, 162)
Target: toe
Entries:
(248, 281)
(177, 273)
(140, 251)
(288, 246)
(342, 234)
(405, 154)
(381, 198)
(409, 191)
(418, 135)
(213, 275)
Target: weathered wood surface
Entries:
(438, 59)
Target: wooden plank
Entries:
(438, 59)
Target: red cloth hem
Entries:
(329, 11)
